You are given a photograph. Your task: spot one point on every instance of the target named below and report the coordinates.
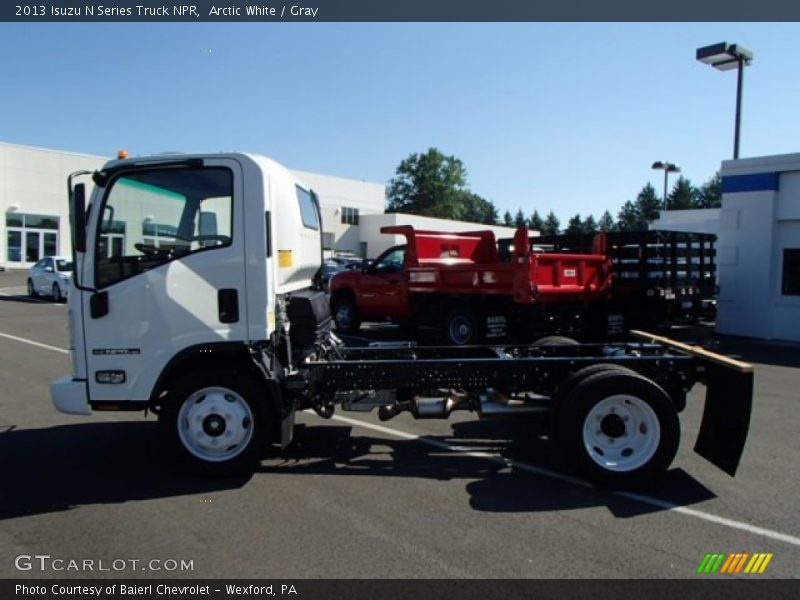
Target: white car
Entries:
(50, 276)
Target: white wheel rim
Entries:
(460, 329)
(215, 424)
(621, 433)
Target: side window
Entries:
(308, 212)
(151, 217)
(790, 286)
(392, 262)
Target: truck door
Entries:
(384, 287)
(175, 279)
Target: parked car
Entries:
(50, 276)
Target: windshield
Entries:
(63, 265)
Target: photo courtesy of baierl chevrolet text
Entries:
(355, 299)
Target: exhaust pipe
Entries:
(426, 407)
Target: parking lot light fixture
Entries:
(725, 56)
(667, 167)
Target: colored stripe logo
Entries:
(732, 564)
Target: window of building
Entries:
(30, 237)
(349, 215)
(791, 272)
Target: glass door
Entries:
(33, 244)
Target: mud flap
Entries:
(726, 417)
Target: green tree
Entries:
(628, 217)
(574, 225)
(429, 184)
(710, 193)
(590, 225)
(519, 219)
(507, 220)
(647, 206)
(606, 222)
(475, 209)
(551, 226)
(682, 196)
(535, 222)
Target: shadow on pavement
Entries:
(58, 468)
(492, 486)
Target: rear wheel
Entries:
(345, 315)
(617, 427)
(57, 296)
(461, 327)
(217, 422)
(31, 290)
(555, 340)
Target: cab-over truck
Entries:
(193, 297)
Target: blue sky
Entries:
(567, 117)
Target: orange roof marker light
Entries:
(122, 154)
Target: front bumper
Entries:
(70, 396)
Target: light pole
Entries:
(667, 167)
(725, 56)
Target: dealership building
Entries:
(33, 200)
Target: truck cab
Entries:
(182, 266)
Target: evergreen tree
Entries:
(606, 222)
(507, 220)
(551, 226)
(590, 225)
(647, 206)
(682, 196)
(710, 193)
(574, 225)
(519, 219)
(628, 217)
(536, 223)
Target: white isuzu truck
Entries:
(195, 296)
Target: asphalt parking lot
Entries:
(356, 498)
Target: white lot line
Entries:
(32, 343)
(513, 464)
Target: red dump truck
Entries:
(459, 283)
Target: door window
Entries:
(152, 217)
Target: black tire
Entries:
(57, 297)
(345, 315)
(618, 428)
(461, 327)
(565, 389)
(555, 340)
(31, 290)
(216, 405)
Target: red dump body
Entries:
(468, 263)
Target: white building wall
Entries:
(760, 218)
(33, 181)
(699, 220)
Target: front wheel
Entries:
(57, 296)
(618, 428)
(31, 289)
(216, 422)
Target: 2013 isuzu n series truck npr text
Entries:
(194, 296)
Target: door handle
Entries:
(228, 305)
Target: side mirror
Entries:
(77, 210)
(49, 269)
